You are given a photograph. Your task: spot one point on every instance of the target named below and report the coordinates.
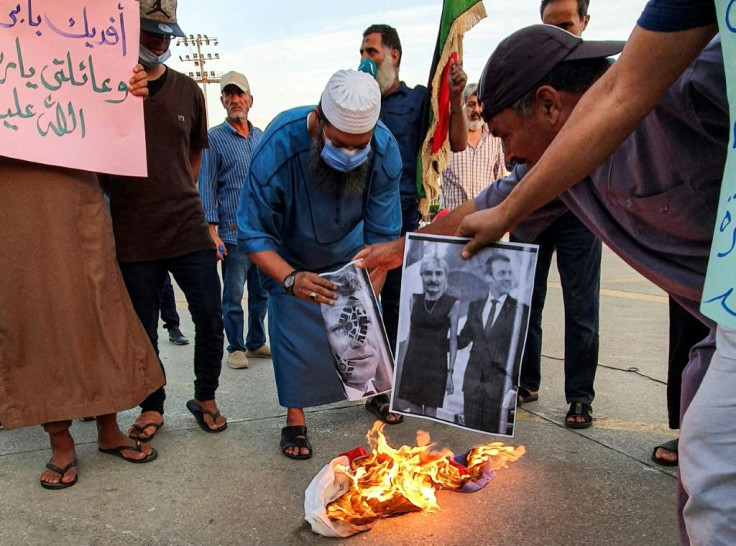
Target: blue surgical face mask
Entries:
(148, 59)
(342, 159)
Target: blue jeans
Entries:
(579, 265)
(196, 275)
(236, 270)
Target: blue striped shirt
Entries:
(223, 173)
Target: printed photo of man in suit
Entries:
(495, 326)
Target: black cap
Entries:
(523, 59)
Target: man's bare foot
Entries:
(110, 437)
(146, 426)
(63, 453)
(213, 423)
(579, 416)
(666, 454)
(295, 417)
(378, 405)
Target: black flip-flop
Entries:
(525, 396)
(199, 412)
(295, 436)
(379, 406)
(672, 445)
(118, 452)
(61, 472)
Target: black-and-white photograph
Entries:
(356, 335)
(462, 329)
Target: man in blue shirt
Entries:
(323, 183)
(401, 111)
(225, 167)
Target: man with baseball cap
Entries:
(159, 223)
(224, 171)
(323, 183)
(653, 201)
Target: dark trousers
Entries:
(685, 331)
(392, 286)
(579, 265)
(483, 400)
(168, 305)
(196, 274)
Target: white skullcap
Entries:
(352, 101)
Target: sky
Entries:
(288, 50)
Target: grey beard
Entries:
(386, 75)
(237, 117)
(326, 178)
(475, 125)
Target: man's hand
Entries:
(485, 227)
(221, 248)
(381, 257)
(138, 85)
(456, 81)
(219, 244)
(311, 287)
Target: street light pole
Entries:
(200, 60)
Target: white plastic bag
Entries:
(328, 485)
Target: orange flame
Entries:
(391, 481)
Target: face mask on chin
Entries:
(149, 60)
(341, 159)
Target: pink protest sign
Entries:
(64, 70)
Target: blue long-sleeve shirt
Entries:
(312, 229)
(224, 171)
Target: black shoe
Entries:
(176, 337)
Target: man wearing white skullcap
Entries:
(323, 182)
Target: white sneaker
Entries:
(264, 351)
(237, 360)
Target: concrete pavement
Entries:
(595, 486)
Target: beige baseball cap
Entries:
(237, 79)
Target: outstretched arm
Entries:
(454, 318)
(456, 80)
(608, 112)
(381, 257)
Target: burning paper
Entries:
(358, 488)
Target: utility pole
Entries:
(200, 74)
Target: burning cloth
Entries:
(358, 487)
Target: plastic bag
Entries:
(328, 485)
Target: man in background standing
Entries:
(401, 112)
(225, 167)
(482, 161)
(556, 229)
(159, 223)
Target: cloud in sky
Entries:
(288, 53)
